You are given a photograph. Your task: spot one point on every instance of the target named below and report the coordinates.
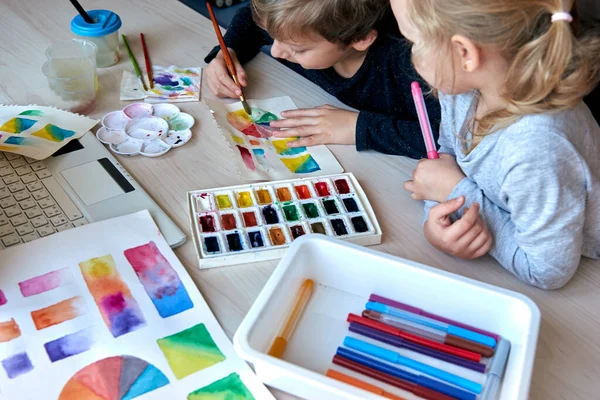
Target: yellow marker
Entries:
(286, 331)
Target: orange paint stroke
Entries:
(57, 313)
(9, 330)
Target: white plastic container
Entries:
(345, 275)
(103, 32)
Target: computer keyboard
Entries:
(32, 202)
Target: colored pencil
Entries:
(430, 333)
(492, 384)
(136, 67)
(469, 355)
(401, 343)
(338, 376)
(424, 120)
(227, 57)
(420, 385)
(393, 357)
(86, 17)
(420, 311)
(432, 323)
(148, 63)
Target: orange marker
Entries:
(286, 331)
(360, 384)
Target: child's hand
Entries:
(320, 125)
(218, 79)
(434, 179)
(466, 238)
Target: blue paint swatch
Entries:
(148, 381)
(16, 365)
(70, 345)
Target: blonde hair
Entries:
(552, 65)
(338, 21)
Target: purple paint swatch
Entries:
(43, 283)
(16, 365)
(3, 300)
(70, 345)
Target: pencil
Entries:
(136, 67)
(148, 64)
(227, 56)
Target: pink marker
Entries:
(417, 93)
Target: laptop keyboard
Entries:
(32, 202)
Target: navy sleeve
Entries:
(244, 36)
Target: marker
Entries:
(400, 378)
(417, 94)
(492, 384)
(286, 331)
(390, 356)
(469, 355)
(432, 323)
(417, 348)
(338, 376)
(430, 333)
(420, 311)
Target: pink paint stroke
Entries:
(43, 283)
(3, 300)
(247, 157)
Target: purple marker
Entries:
(401, 343)
(423, 313)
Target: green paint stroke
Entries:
(36, 113)
(190, 351)
(262, 117)
(229, 388)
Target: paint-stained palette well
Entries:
(249, 223)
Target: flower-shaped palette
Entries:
(146, 129)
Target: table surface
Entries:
(567, 362)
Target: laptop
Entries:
(79, 184)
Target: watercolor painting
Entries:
(229, 388)
(114, 378)
(159, 279)
(120, 311)
(9, 330)
(171, 85)
(46, 282)
(190, 351)
(260, 155)
(70, 345)
(38, 131)
(58, 313)
(17, 365)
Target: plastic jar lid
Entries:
(106, 22)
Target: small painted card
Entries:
(260, 155)
(171, 85)
(38, 131)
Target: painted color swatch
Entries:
(190, 351)
(16, 365)
(70, 345)
(281, 147)
(247, 157)
(53, 133)
(305, 164)
(20, 141)
(229, 388)
(17, 125)
(159, 279)
(9, 330)
(37, 113)
(43, 283)
(120, 311)
(114, 378)
(57, 313)
(3, 300)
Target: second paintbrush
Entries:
(136, 67)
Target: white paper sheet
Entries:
(66, 251)
(259, 155)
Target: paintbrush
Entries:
(148, 64)
(227, 56)
(136, 67)
(82, 12)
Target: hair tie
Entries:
(562, 16)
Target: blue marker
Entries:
(420, 380)
(432, 323)
(396, 358)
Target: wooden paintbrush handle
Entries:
(226, 55)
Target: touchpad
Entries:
(96, 181)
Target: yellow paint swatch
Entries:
(237, 139)
(244, 200)
(224, 202)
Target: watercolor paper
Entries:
(171, 85)
(38, 131)
(229, 388)
(111, 313)
(261, 156)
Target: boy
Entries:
(341, 46)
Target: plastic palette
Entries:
(248, 223)
(146, 129)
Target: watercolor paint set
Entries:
(340, 321)
(256, 222)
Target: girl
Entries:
(520, 176)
